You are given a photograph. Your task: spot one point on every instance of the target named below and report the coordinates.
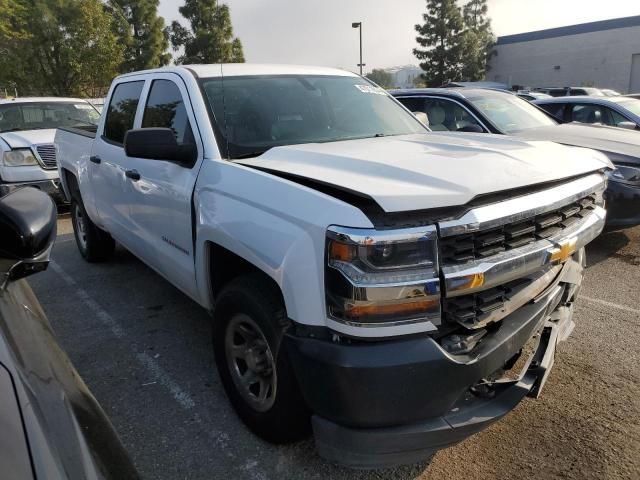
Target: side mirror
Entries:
(28, 219)
(627, 125)
(158, 144)
(472, 128)
(422, 117)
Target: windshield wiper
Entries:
(379, 135)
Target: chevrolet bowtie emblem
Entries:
(563, 250)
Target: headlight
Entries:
(378, 277)
(19, 158)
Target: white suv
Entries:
(27, 130)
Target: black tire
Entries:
(287, 418)
(95, 245)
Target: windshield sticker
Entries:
(371, 89)
(83, 107)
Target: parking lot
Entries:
(144, 349)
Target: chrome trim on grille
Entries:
(521, 208)
(516, 263)
(539, 283)
(46, 153)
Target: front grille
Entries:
(47, 154)
(478, 245)
(471, 310)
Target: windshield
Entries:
(41, 115)
(510, 113)
(630, 104)
(254, 114)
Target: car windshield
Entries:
(254, 114)
(40, 115)
(510, 113)
(630, 104)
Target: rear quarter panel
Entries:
(74, 151)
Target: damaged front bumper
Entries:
(398, 402)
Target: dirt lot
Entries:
(144, 350)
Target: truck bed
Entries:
(74, 147)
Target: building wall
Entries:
(403, 77)
(602, 59)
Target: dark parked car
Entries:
(531, 96)
(492, 111)
(570, 91)
(51, 427)
(623, 112)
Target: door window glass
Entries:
(443, 115)
(165, 109)
(122, 110)
(555, 109)
(614, 118)
(587, 114)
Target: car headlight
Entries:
(378, 278)
(21, 157)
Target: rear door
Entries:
(161, 200)
(593, 113)
(108, 161)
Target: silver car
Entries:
(618, 111)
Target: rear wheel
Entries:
(94, 244)
(249, 324)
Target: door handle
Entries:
(95, 159)
(133, 175)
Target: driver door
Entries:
(160, 192)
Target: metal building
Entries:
(602, 54)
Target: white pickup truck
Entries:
(393, 289)
(27, 129)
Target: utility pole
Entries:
(358, 25)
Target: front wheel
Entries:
(94, 244)
(249, 323)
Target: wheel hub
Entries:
(250, 362)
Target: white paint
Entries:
(179, 395)
(604, 303)
(277, 225)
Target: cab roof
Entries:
(39, 99)
(242, 69)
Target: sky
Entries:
(320, 33)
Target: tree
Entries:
(440, 37)
(146, 38)
(69, 49)
(477, 40)
(381, 77)
(11, 19)
(210, 39)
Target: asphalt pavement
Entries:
(144, 349)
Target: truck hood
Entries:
(421, 171)
(605, 139)
(26, 138)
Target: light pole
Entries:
(359, 26)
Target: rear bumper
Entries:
(389, 403)
(51, 187)
(623, 205)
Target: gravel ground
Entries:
(144, 350)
